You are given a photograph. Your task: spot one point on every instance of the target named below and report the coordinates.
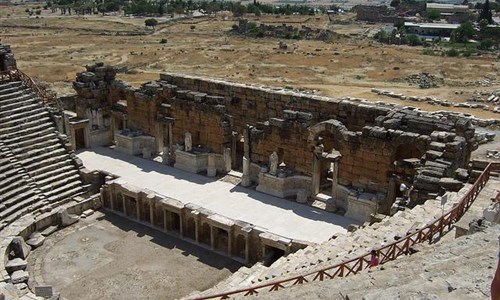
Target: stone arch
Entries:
(326, 140)
(404, 151)
(333, 127)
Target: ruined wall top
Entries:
(7, 59)
(389, 116)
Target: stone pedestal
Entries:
(303, 196)
(133, 145)
(146, 153)
(211, 169)
(245, 179)
(191, 162)
(360, 208)
(284, 187)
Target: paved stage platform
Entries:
(279, 216)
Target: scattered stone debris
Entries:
(282, 45)
(424, 80)
(493, 99)
(493, 153)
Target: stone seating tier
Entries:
(36, 170)
(339, 249)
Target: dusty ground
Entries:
(53, 48)
(109, 257)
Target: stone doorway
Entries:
(326, 140)
(406, 160)
(79, 138)
(190, 231)
(173, 222)
(205, 235)
(221, 240)
(240, 247)
(239, 152)
(2, 62)
(325, 171)
(271, 254)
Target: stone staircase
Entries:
(353, 244)
(36, 170)
(461, 268)
(341, 248)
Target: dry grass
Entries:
(53, 48)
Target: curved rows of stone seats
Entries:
(457, 269)
(349, 254)
(36, 169)
(340, 248)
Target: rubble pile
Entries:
(424, 80)
(477, 102)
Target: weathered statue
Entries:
(273, 163)
(188, 142)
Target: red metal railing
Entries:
(386, 253)
(16, 74)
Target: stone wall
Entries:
(379, 145)
(91, 104)
(241, 241)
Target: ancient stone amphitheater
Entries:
(392, 179)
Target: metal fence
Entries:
(386, 253)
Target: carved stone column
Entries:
(245, 179)
(211, 169)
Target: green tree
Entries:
(486, 44)
(239, 9)
(486, 13)
(395, 3)
(413, 40)
(151, 23)
(464, 32)
(433, 14)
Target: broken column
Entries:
(227, 159)
(165, 158)
(211, 169)
(245, 179)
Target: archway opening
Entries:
(271, 254)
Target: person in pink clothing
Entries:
(495, 284)
(374, 261)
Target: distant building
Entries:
(376, 14)
(430, 29)
(447, 8)
(453, 13)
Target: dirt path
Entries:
(109, 257)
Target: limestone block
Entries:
(35, 240)
(146, 153)
(19, 276)
(44, 291)
(65, 219)
(20, 248)
(15, 265)
(461, 174)
(450, 184)
(87, 213)
(191, 162)
(303, 195)
(492, 213)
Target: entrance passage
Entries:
(271, 254)
(79, 138)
